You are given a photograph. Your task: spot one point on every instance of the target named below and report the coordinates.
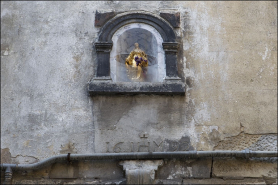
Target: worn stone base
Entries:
(193, 171)
(128, 88)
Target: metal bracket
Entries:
(68, 157)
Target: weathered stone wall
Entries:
(227, 58)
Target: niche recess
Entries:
(155, 37)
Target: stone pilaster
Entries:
(171, 50)
(103, 57)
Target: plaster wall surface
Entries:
(227, 58)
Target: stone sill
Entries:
(107, 87)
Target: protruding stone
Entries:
(140, 172)
(102, 18)
(172, 18)
(170, 46)
(109, 88)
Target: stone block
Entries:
(67, 170)
(101, 170)
(179, 169)
(128, 88)
(258, 181)
(5, 155)
(172, 18)
(235, 168)
(163, 181)
(201, 168)
(102, 18)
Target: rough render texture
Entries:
(227, 59)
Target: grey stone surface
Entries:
(50, 61)
(84, 172)
(235, 168)
(163, 181)
(97, 87)
(224, 181)
(119, 130)
(101, 170)
(172, 18)
(5, 156)
(46, 62)
(64, 171)
(228, 58)
(183, 169)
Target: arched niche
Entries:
(149, 40)
(160, 44)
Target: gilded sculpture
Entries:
(136, 61)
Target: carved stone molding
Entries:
(104, 86)
(140, 172)
(170, 83)
(164, 28)
(103, 46)
(170, 46)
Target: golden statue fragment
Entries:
(135, 61)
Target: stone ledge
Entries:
(99, 87)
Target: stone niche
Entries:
(149, 41)
(138, 123)
(117, 38)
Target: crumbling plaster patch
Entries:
(248, 141)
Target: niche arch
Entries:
(106, 83)
(165, 30)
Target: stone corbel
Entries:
(140, 171)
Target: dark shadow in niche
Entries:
(125, 44)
